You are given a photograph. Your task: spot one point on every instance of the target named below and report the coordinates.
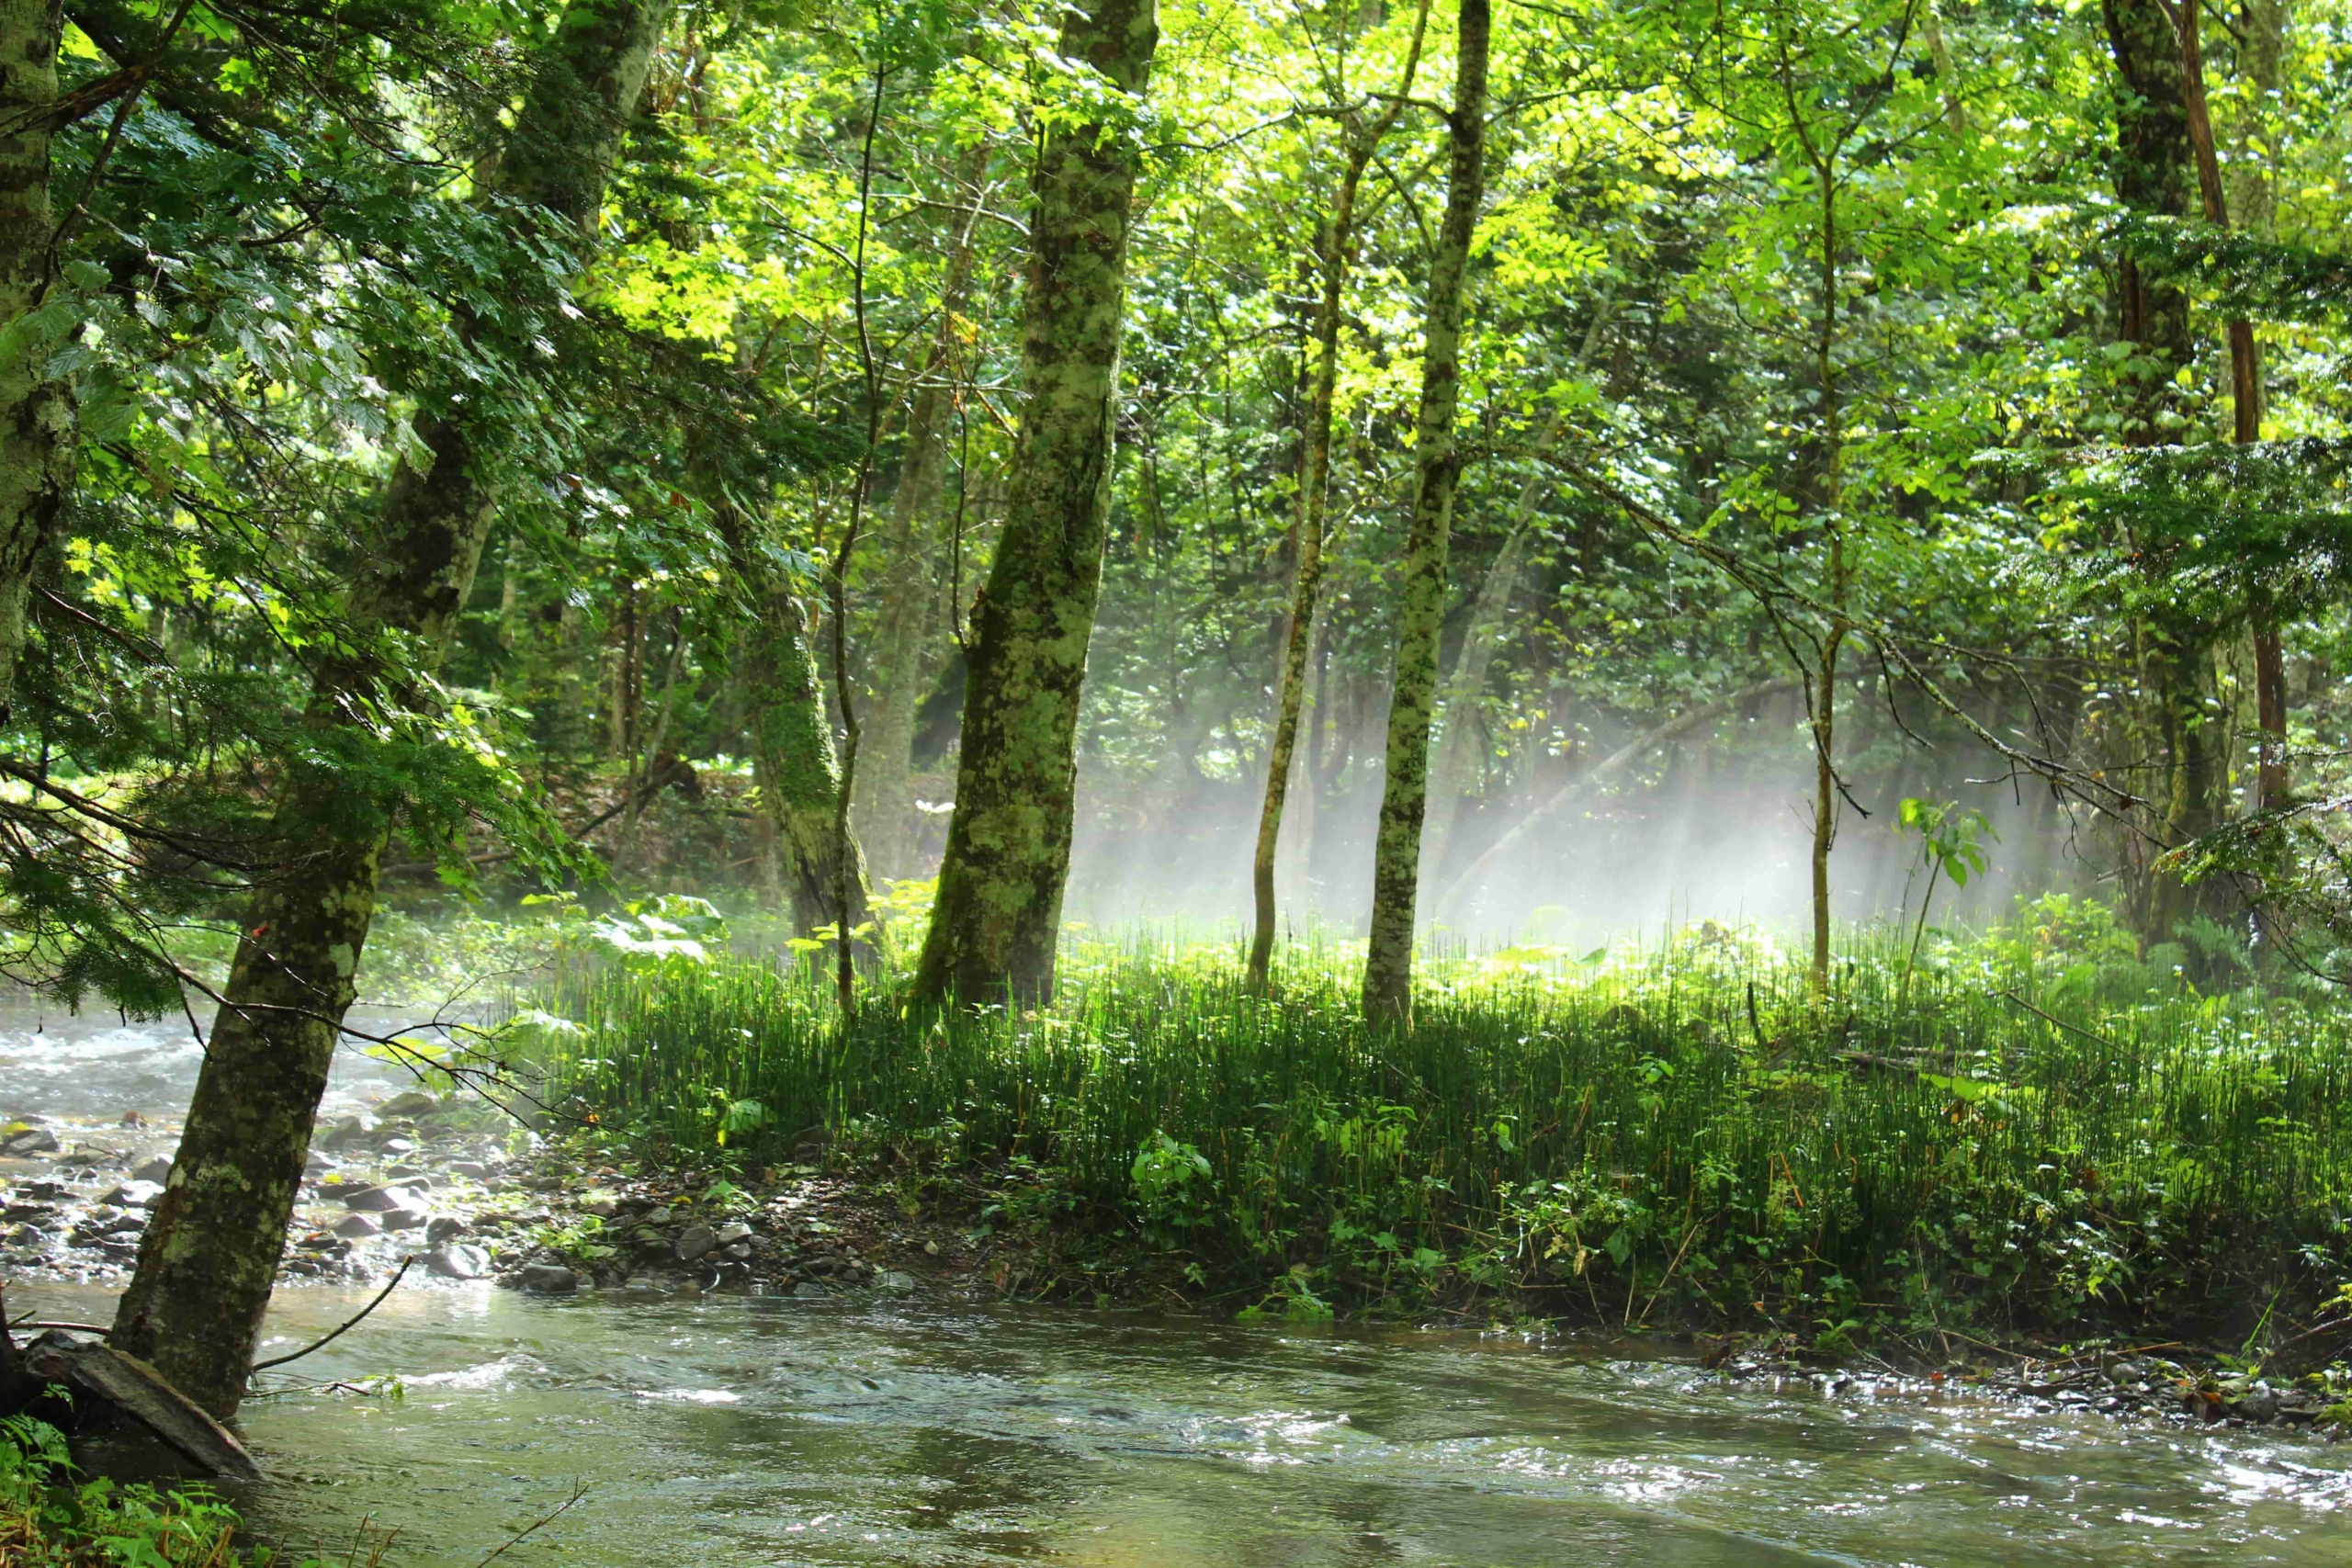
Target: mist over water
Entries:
(1707, 830)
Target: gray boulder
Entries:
(456, 1260)
(28, 1141)
(356, 1224)
(133, 1195)
(695, 1241)
(379, 1200)
(157, 1169)
(548, 1280)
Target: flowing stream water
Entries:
(734, 1430)
(864, 1430)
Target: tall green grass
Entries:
(2027, 1132)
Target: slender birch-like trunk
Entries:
(1452, 770)
(38, 444)
(913, 552)
(996, 915)
(1338, 249)
(1388, 962)
(210, 1252)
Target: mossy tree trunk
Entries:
(1396, 875)
(792, 738)
(37, 421)
(998, 911)
(211, 1250)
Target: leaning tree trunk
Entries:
(907, 619)
(792, 741)
(1452, 770)
(37, 423)
(1396, 874)
(211, 1250)
(998, 911)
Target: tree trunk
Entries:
(38, 448)
(1313, 491)
(1451, 775)
(998, 911)
(211, 1250)
(2154, 173)
(2245, 410)
(792, 738)
(908, 616)
(1396, 874)
(1825, 792)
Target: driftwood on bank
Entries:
(138, 1390)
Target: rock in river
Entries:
(377, 1199)
(456, 1260)
(356, 1225)
(443, 1227)
(548, 1278)
(132, 1195)
(697, 1239)
(404, 1219)
(28, 1141)
(157, 1171)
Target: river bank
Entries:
(454, 1193)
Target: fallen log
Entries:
(138, 1390)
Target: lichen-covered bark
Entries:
(997, 910)
(37, 439)
(1396, 874)
(912, 564)
(792, 740)
(210, 1254)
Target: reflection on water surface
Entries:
(763, 1431)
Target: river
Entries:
(734, 1430)
(863, 1429)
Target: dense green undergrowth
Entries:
(2032, 1131)
(52, 1518)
